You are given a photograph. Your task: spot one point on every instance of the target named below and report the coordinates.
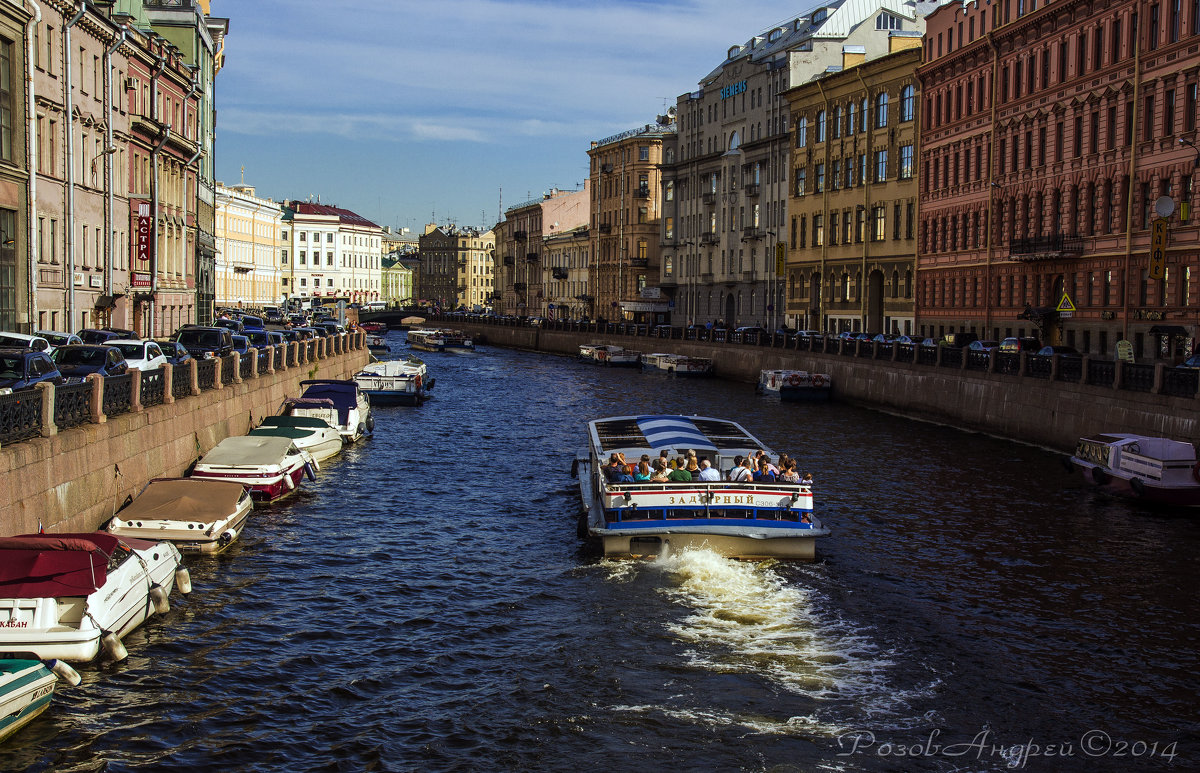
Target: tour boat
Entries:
(678, 364)
(197, 515)
(439, 340)
(26, 688)
(1153, 469)
(395, 382)
(341, 403)
(377, 344)
(795, 386)
(736, 519)
(610, 355)
(316, 437)
(270, 467)
(75, 596)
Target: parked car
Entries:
(123, 333)
(57, 339)
(910, 340)
(959, 340)
(251, 322)
(983, 346)
(886, 338)
(1013, 344)
(205, 342)
(97, 336)
(232, 325)
(1065, 351)
(260, 339)
(22, 341)
(241, 344)
(22, 368)
(143, 355)
(1191, 363)
(78, 361)
(930, 343)
(272, 315)
(176, 353)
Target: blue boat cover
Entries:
(344, 396)
(672, 432)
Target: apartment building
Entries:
(249, 243)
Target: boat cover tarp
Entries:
(295, 433)
(36, 566)
(185, 499)
(295, 421)
(247, 450)
(672, 432)
(343, 394)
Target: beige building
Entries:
(248, 235)
(851, 234)
(329, 254)
(566, 255)
(456, 267)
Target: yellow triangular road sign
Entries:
(1065, 304)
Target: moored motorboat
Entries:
(1153, 469)
(734, 518)
(26, 689)
(315, 436)
(377, 344)
(678, 364)
(197, 515)
(795, 386)
(605, 354)
(339, 402)
(270, 467)
(75, 596)
(395, 382)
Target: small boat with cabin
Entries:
(795, 386)
(737, 519)
(377, 344)
(339, 402)
(604, 354)
(678, 364)
(197, 515)
(315, 436)
(75, 596)
(26, 689)
(374, 328)
(403, 381)
(440, 340)
(270, 467)
(1152, 469)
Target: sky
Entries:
(416, 111)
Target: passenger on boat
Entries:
(643, 472)
(679, 473)
(615, 472)
(743, 472)
(789, 474)
(707, 472)
(737, 464)
(691, 464)
(807, 479)
(661, 474)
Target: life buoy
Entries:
(794, 379)
(818, 380)
(1139, 488)
(1099, 476)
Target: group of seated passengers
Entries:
(756, 468)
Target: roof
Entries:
(246, 450)
(185, 499)
(36, 566)
(677, 433)
(343, 215)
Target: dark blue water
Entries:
(425, 605)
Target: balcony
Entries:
(519, 286)
(558, 273)
(641, 193)
(508, 261)
(606, 228)
(606, 168)
(1045, 247)
(531, 257)
(751, 232)
(709, 237)
(710, 198)
(519, 236)
(639, 262)
(752, 190)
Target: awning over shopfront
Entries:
(1168, 330)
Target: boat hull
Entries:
(25, 692)
(644, 543)
(216, 539)
(1150, 492)
(262, 487)
(804, 394)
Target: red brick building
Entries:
(1048, 132)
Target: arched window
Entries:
(802, 132)
(735, 141)
(837, 122)
(821, 126)
(906, 103)
(881, 110)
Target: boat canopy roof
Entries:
(1161, 448)
(35, 566)
(343, 395)
(185, 499)
(642, 434)
(249, 450)
(294, 421)
(295, 433)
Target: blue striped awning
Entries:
(672, 432)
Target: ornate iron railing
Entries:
(118, 394)
(1070, 369)
(1008, 363)
(978, 360)
(1138, 378)
(246, 365)
(1038, 366)
(181, 382)
(20, 415)
(951, 357)
(72, 405)
(153, 388)
(1101, 372)
(206, 373)
(1180, 382)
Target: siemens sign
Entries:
(733, 89)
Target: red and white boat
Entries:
(197, 515)
(74, 596)
(270, 467)
(1153, 469)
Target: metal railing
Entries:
(206, 373)
(118, 394)
(20, 415)
(228, 365)
(72, 405)
(152, 389)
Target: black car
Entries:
(206, 342)
(177, 353)
(232, 325)
(260, 339)
(78, 361)
(96, 336)
(22, 368)
(251, 322)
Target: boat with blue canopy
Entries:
(738, 519)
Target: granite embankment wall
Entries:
(1052, 414)
(76, 479)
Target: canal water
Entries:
(426, 605)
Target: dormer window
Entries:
(774, 35)
(886, 21)
(819, 15)
(733, 51)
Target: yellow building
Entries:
(248, 235)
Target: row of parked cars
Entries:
(970, 341)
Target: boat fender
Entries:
(429, 386)
(1099, 476)
(1067, 464)
(1139, 488)
(226, 537)
(371, 424)
(362, 429)
(162, 604)
(63, 671)
(418, 380)
(287, 481)
(574, 468)
(183, 580)
(308, 472)
(112, 648)
(313, 462)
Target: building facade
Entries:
(457, 267)
(726, 177)
(1049, 134)
(518, 260)
(565, 254)
(248, 236)
(329, 254)
(396, 277)
(18, 256)
(852, 215)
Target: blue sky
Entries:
(409, 112)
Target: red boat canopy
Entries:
(34, 566)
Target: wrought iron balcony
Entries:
(1045, 247)
(752, 189)
(639, 262)
(508, 261)
(641, 193)
(519, 286)
(751, 232)
(519, 235)
(710, 198)
(606, 228)
(531, 257)
(558, 273)
(606, 168)
(709, 237)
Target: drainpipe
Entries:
(69, 84)
(820, 321)
(992, 185)
(162, 65)
(109, 149)
(1137, 79)
(31, 242)
(866, 172)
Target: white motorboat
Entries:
(26, 689)
(340, 403)
(395, 382)
(795, 386)
(75, 596)
(678, 364)
(1152, 469)
(198, 515)
(314, 436)
(270, 467)
(734, 518)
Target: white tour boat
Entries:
(395, 382)
(26, 689)
(339, 402)
(74, 596)
(610, 355)
(1153, 469)
(314, 436)
(198, 515)
(270, 467)
(678, 364)
(795, 386)
(440, 340)
(736, 519)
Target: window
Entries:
(880, 165)
(905, 172)
(802, 132)
(881, 108)
(643, 152)
(879, 223)
(799, 181)
(821, 126)
(6, 106)
(819, 179)
(906, 104)
(837, 122)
